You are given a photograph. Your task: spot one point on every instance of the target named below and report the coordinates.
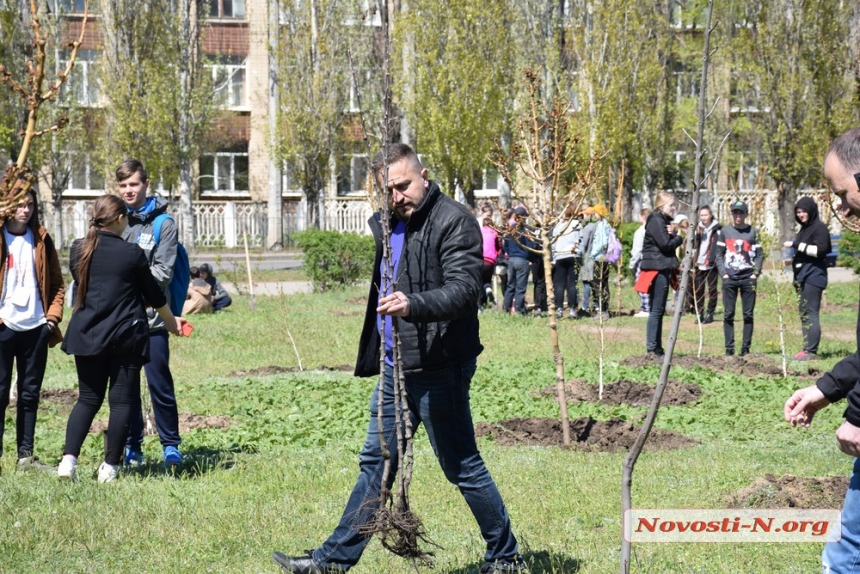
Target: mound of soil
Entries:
(626, 392)
(276, 370)
(748, 365)
(791, 492)
(585, 433)
(187, 422)
(63, 398)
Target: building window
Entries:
(290, 184)
(69, 6)
(352, 174)
(85, 176)
(82, 86)
(225, 172)
(228, 80)
(226, 8)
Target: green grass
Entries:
(278, 478)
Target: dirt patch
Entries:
(276, 370)
(791, 492)
(361, 301)
(187, 422)
(748, 365)
(626, 392)
(65, 399)
(585, 433)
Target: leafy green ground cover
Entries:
(277, 478)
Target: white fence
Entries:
(221, 224)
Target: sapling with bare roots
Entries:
(399, 529)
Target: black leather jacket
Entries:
(440, 274)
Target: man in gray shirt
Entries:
(739, 261)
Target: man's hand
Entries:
(848, 437)
(802, 406)
(395, 305)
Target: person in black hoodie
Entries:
(811, 246)
(659, 264)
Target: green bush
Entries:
(335, 260)
(849, 248)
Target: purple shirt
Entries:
(398, 234)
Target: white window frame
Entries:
(231, 177)
(85, 71)
(83, 188)
(288, 185)
(230, 70)
(354, 167)
(222, 16)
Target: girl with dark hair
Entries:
(109, 333)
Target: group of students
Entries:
(205, 293)
(578, 245)
(120, 322)
(733, 253)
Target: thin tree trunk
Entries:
(636, 449)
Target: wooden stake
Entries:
(251, 303)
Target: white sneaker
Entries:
(108, 472)
(642, 314)
(68, 468)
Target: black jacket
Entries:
(658, 248)
(113, 315)
(811, 245)
(440, 274)
(842, 383)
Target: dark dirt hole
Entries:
(187, 422)
(277, 370)
(791, 492)
(626, 392)
(63, 398)
(747, 366)
(586, 434)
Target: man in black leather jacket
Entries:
(436, 247)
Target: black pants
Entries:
(731, 288)
(600, 286)
(95, 373)
(705, 278)
(539, 281)
(658, 293)
(486, 281)
(29, 351)
(809, 307)
(565, 275)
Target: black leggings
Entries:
(94, 374)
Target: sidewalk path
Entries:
(834, 275)
(273, 288)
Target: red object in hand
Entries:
(187, 329)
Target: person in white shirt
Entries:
(31, 307)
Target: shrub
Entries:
(849, 248)
(335, 260)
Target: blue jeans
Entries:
(439, 399)
(843, 557)
(518, 281)
(161, 394)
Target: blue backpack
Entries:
(178, 286)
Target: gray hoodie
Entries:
(161, 257)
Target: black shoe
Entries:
(657, 353)
(301, 564)
(730, 352)
(707, 319)
(744, 352)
